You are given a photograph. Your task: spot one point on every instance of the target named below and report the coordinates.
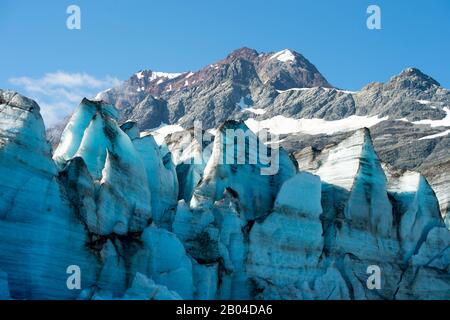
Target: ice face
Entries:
(368, 219)
(285, 248)
(163, 259)
(256, 191)
(40, 235)
(4, 287)
(416, 204)
(161, 175)
(121, 190)
(190, 155)
(243, 235)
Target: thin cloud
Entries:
(60, 92)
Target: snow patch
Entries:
(212, 131)
(437, 123)
(437, 135)
(294, 89)
(315, 88)
(284, 125)
(162, 131)
(284, 56)
(245, 103)
(156, 75)
(140, 74)
(255, 111)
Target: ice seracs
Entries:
(40, 235)
(161, 173)
(143, 221)
(190, 151)
(163, 258)
(121, 186)
(286, 247)
(232, 162)
(416, 204)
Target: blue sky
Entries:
(118, 38)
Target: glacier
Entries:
(143, 220)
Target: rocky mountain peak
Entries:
(413, 77)
(242, 53)
(288, 69)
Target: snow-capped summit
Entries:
(284, 56)
(216, 88)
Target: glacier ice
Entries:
(40, 236)
(4, 286)
(161, 173)
(144, 288)
(227, 169)
(123, 200)
(191, 153)
(286, 247)
(163, 259)
(143, 221)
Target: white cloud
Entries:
(60, 92)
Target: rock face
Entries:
(246, 222)
(215, 93)
(247, 84)
(440, 182)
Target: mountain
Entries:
(409, 115)
(213, 94)
(257, 224)
(247, 84)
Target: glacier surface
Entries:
(143, 221)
